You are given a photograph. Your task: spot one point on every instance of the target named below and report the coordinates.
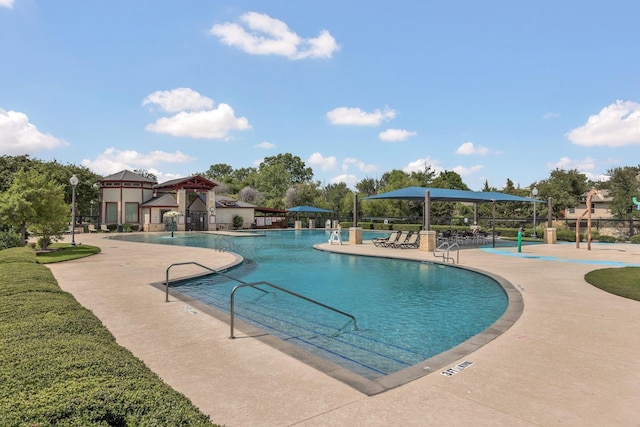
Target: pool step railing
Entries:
(214, 271)
(444, 251)
(297, 295)
(221, 244)
(255, 286)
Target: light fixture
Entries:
(74, 182)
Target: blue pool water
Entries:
(406, 311)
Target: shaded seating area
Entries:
(399, 240)
(384, 242)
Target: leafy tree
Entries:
(333, 195)
(623, 186)
(301, 194)
(367, 187)
(35, 202)
(220, 172)
(566, 188)
(277, 173)
(250, 195)
(146, 174)
(9, 165)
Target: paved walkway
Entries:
(573, 357)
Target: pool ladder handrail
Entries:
(166, 283)
(444, 250)
(254, 284)
(221, 243)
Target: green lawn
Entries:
(624, 282)
(60, 366)
(65, 252)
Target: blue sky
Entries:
(493, 90)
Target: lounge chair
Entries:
(104, 228)
(412, 242)
(402, 238)
(383, 242)
(92, 228)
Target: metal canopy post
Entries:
(427, 210)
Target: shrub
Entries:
(606, 239)
(60, 366)
(237, 221)
(635, 239)
(9, 239)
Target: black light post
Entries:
(74, 182)
(535, 194)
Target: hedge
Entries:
(60, 366)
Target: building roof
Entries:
(127, 175)
(195, 182)
(164, 201)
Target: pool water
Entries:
(406, 311)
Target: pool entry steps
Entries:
(255, 286)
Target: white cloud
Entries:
(113, 160)
(470, 148)
(550, 116)
(565, 163)
(266, 145)
(264, 35)
(210, 124)
(18, 136)
(350, 180)
(357, 117)
(420, 165)
(360, 165)
(615, 126)
(324, 163)
(6, 3)
(392, 135)
(462, 170)
(181, 99)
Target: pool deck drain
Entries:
(571, 358)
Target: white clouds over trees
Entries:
(19, 136)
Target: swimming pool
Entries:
(406, 311)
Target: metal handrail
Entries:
(232, 303)
(445, 249)
(166, 284)
(220, 241)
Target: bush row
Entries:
(60, 366)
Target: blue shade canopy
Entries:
(447, 195)
(312, 209)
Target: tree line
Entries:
(35, 195)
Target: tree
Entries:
(566, 188)
(146, 174)
(623, 186)
(276, 174)
(301, 194)
(250, 195)
(367, 187)
(220, 172)
(34, 201)
(334, 195)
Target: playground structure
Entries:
(587, 212)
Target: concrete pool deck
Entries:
(572, 358)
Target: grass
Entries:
(60, 366)
(624, 282)
(65, 252)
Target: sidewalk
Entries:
(572, 358)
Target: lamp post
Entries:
(74, 182)
(535, 193)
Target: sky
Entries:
(493, 90)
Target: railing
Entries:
(253, 285)
(221, 244)
(445, 249)
(166, 283)
(233, 292)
